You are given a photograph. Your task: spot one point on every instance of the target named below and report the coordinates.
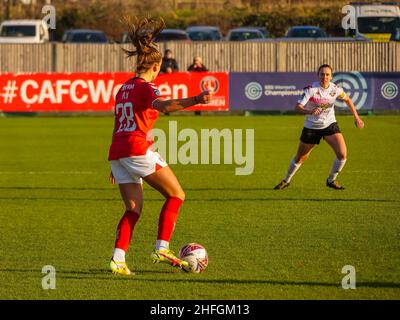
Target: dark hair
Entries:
(142, 33)
(325, 66)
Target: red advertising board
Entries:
(69, 92)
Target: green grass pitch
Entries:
(57, 208)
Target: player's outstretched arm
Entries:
(179, 104)
(357, 120)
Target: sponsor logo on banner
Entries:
(389, 90)
(253, 91)
(354, 85)
(209, 83)
(212, 84)
(282, 90)
(186, 84)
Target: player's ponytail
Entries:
(142, 33)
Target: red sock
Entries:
(168, 217)
(125, 229)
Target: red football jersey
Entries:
(134, 118)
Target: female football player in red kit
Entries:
(131, 158)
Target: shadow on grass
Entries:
(57, 188)
(114, 188)
(148, 189)
(90, 272)
(208, 199)
(141, 275)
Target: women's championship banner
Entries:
(77, 92)
(280, 91)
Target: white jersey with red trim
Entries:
(315, 96)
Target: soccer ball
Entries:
(196, 255)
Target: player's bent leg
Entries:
(303, 152)
(132, 195)
(165, 181)
(338, 144)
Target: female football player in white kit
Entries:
(317, 103)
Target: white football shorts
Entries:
(133, 169)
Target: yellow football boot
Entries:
(168, 256)
(120, 268)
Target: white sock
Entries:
(293, 167)
(336, 168)
(119, 255)
(161, 244)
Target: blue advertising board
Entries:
(281, 90)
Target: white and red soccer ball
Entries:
(196, 255)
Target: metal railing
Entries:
(271, 56)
